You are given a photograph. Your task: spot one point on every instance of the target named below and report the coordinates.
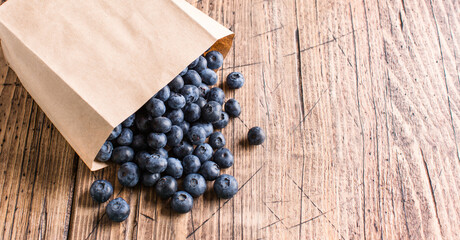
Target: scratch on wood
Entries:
(311, 109)
(265, 95)
(274, 214)
(243, 65)
(273, 30)
(431, 187)
(148, 217)
(271, 224)
(313, 218)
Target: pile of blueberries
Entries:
(166, 140)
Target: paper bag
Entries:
(91, 64)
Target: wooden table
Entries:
(361, 104)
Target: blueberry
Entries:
(192, 112)
(195, 184)
(139, 142)
(192, 78)
(117, 210)
(196, 135)
(215, 59)
(210, 170)
(174, 168)
(166, 187)
(122, 154)
(191, 164)
(208, 76)
(115, 133)
(174, 136)
(201, 102)
(217, 140)
(176, 101)
(142, 158)
(142, 121)
(128, 174)
(216, 94)
(160, 151)
(201, 65)
(163, 94)
(156, 140)
(156, 164)
(191, 93)
(235, 80)
(194, 63)
(211, 112)
(106, 152)
(149, 179)
(183, 71)
(203, 89)
(208, 128)
(233, 108)
(183, 149)
(185, 126)
(225, 186)
(125, 137)
(181, 202)
(155, 107)
(203, 152)
(223, 121)
(129, 121)
(176, 84)
(101, 190)
(161, 125)
(176, 116)
(256, 136)
(223, 157)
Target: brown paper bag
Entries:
(91, 64)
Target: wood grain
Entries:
(360, 101)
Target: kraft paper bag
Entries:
(91, 64)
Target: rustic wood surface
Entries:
(361, 104)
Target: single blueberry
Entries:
(222, 122)
(194, 63)
(203, 152)
(191, 164)
(139, 142)
(156, 164)
(155, 107)
(217, 140)
(156, 140)
(201, 102)
(105, 152)
(174, 168)
(208, 76)
(196, 135)
(142, 121)
(161, 125)
(192, 78)
(223, 157)
(117, 210)
(128, 174)
(176, 116)
(215, 59)
(122, 154)
(256, 136)
(181, 202)
(216, 94)
(192, 112)
(235, 80)
(149, 179)
(210, 170)
(176, 84)
(115, 133)
(225, 186)
(183, 71)
(211, 112)
(142, 158)
(183, 149)
(101, 190)
(203, 89)
(163, 94)
(191, 93)
(185, 126)
(233, 108)
(195, 184)
(201, 65)
(208, 128)
(174, 136)
(160, 151)
(126, 137)
(129, 121)
(176, 101)
(166, 187)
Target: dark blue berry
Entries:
(106, 152)
(129, 121)
(208, 128)
(191, 164)
(115, 133)
(194, 63)
(203, 152)
(156, 140)
(223, 157)
(192, 112)
(233, 108)
(126, 137)
(225, 186)
(211, 112)
(160, 151)
(122, 154)
(139, 142)
(174, 168)
(174, 136)
(210, 170)
(256, 136)
(166, 187)
(183, 149)
(176, 84)
(128, 174)
(149, 179)
(117, 210)
(163, 94)
(195, 184)
(183, 71)
(192, 78)
(196, 135)
(176, 116)
(217, 140)
(181, 202)
(142, 121)
(201, 65)
(176, 101)
(201, 102)
(235, 80)
(191, 93)
(216, 94)
(222, 122)
(155, 107)
(185, 127)
(161, 125)
(204, 89)
(101, 190)
(156, 164)
(208, 76)
(215, 59)
(142, 158)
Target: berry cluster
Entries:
(172, 136)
